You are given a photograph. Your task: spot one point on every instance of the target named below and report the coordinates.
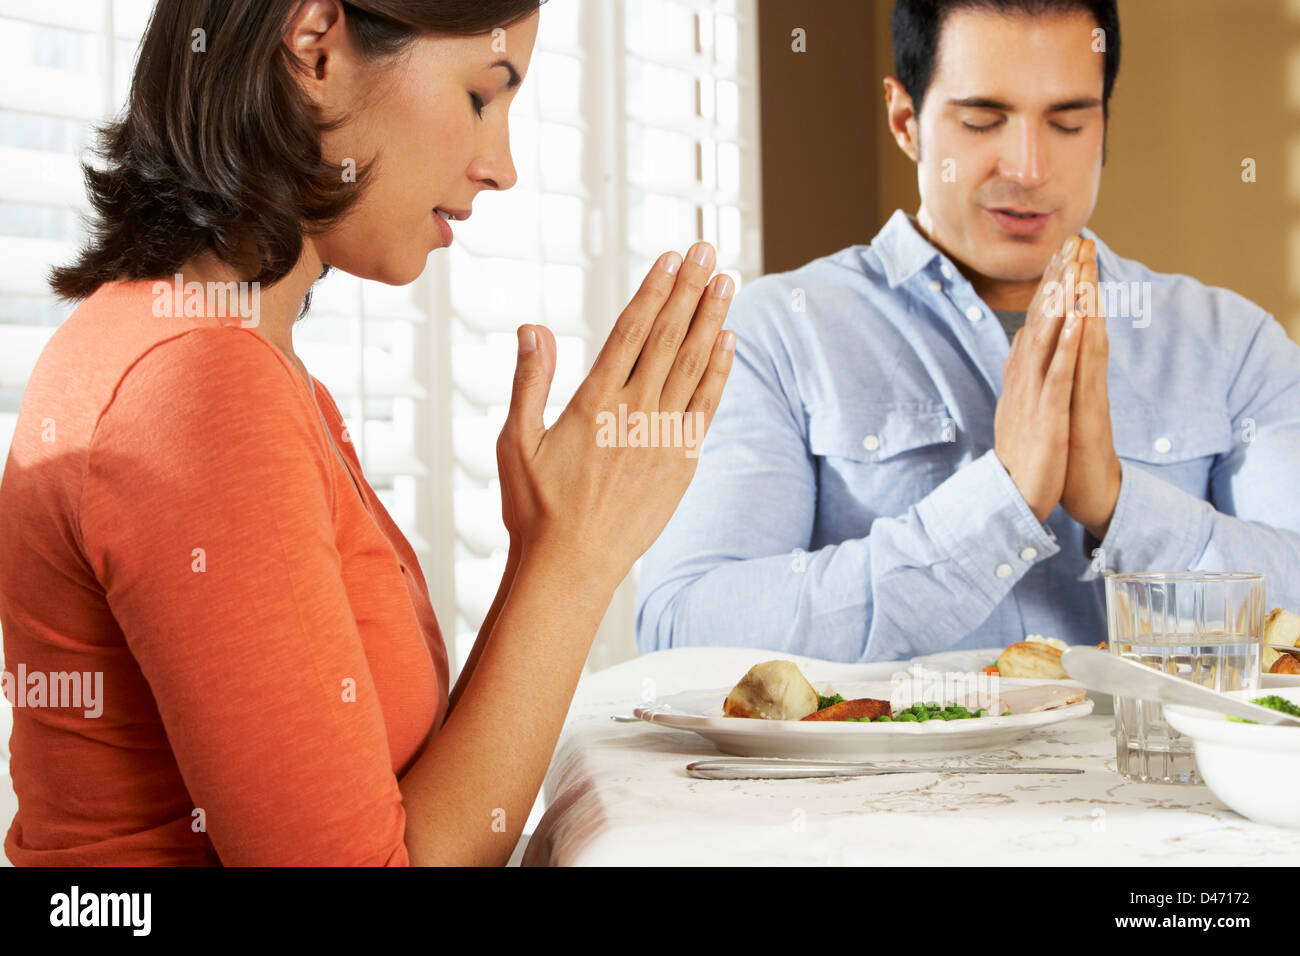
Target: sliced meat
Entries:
(1030, 700)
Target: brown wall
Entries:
(818, 129)
(1203, 84)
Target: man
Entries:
(889, 476)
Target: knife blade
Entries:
(780, 768)
(1104, 671)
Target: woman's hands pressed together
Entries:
(570, 494)
(580, 510)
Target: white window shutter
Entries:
(636, 132)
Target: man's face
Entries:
(1010, 139)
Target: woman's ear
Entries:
(313, 35)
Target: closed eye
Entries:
(477, 100)
(984, 129)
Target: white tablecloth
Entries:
(618, 794)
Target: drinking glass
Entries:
(1204, 627)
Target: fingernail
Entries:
(670, 262)
(702, 253)
(1069, 246)
(722, 286)
(728, 340)
(527, 340)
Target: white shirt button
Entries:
(945, 271)
(871, 442)
(1163, 444)
(1003, 571)
(935, 285)
(1028, 554)
(974, 313)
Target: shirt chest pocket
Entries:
(886, 456)
(1179, 447)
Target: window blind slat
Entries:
(22, 347)
(68, 14)
(28, 89)
(24, 263)
(37, 176)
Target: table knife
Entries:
(781, 768)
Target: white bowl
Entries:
(1253, 768)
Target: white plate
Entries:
(975, 661)
(1276, 681)
(701, 712)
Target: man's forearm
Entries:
(851, 601)
(1158, 526)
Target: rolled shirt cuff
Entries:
(980, 518)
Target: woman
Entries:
(183, 513)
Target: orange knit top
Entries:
(175, 519)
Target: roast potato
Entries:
(773, 690)
(1280, 627)
(1032, 659)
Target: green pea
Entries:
(883, 717)
(1006, 713)
(982, 712)
(907, 715)
(932, 704)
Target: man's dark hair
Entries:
(918, 23)
(220, 148)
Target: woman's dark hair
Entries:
(219, 147)
(917, 24)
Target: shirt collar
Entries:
(904, 252)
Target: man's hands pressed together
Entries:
(1092, 477)
(1052, 424)
(1032, 421)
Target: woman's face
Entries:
(418, 115)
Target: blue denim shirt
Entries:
(848, 504)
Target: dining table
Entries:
(617, 794)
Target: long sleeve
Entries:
(1252, 520)
(735, 566)
(206, 514)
